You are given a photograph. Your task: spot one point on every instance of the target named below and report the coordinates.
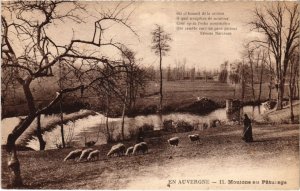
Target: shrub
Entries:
(132, 133)
(179, 126)
(183, 126)
(147, 127)
(168, 126)
(214, 123)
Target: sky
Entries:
(200, 51)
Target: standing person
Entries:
(247, 135)
(140, 136)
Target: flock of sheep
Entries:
(119, 150)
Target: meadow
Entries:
(185, 92)
(176, 94)
(275, 149)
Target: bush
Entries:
(168, 126)
(214, 123)
(132, 133)
(202, 106)
(147, 127)
(183, 126)
(179, 126)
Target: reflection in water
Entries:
(253, 112)
(90, 125)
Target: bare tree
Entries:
(32, 52)
(39, 133)
(260, 70)
(271, 73)
(160, 45)
(234, 74)
(251, 60)
(133, 79)
(223, 76)
(280, 25)
(294, 71)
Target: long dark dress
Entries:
(247, 130)
(140, 136)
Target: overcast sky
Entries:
(201, 51)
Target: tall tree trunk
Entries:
(106, 122)
(62, 124)
(260, 80)
(252, 81)
(270, 86)
(270, 92)
(234, 90)
(13, 162)
(297, 84)
(161, 82)
(292, 86)
(280, 95)
(271, 74)
(243, 82)
(39, 134)
(15, 170)
(123, 114)
(280, 89)
(291, 105)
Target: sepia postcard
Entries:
(150, 95)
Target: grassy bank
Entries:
(220, 151)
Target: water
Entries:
(88, 128)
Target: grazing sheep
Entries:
(94, 155)
(129, 151)
(73, 154)
(118, 149)
(85, 153)
(194, 138)
(140, 148)
(173, 141)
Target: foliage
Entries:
(223, 76)
(177, 126)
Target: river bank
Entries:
(86, 124)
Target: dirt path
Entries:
(251, 166)
(285, 168)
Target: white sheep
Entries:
(118, 149)
(93, 155)
(85, 153)
(194, 138)
(174, 141)
(140, 148)
(129, 151)
(73, 154)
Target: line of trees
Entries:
(272, 58)
(279, 25)
(180, 72)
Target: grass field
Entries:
(221, 154)
(185, 92)
(176, 94)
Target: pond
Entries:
(92, 128)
